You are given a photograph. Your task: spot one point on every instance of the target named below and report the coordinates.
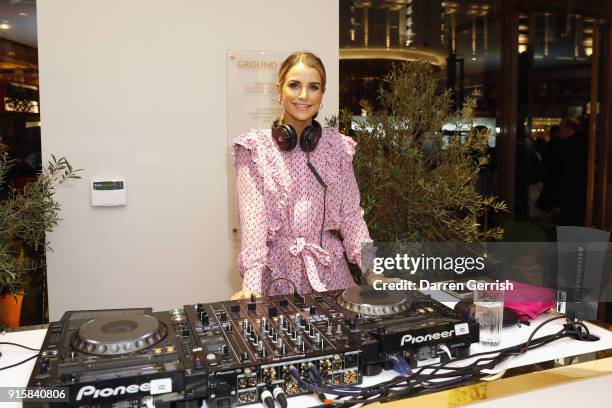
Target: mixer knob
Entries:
(44, 366)
(311, 332)
(235, 309)
(204, 318)
(263, 353)
(280, 345)
(285, 325)
(283, 350)
(313, 310)
(339, 329)
(303, 322)
(199, 307)
(298, 340)
(262, 322)
(229, 328)
(322, 344)
(317, 338)
(275, 338)
(225, 351)
(252, 307)
(303, 347)
(281, 319)
(294, 336)
(329, 329)
(223, 317)
(244, 356)
(298, 318)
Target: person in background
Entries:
(573, 172)
(550, 199)
(295, 185)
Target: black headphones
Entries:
(286, 136)
(286, 139)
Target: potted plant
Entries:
(417, 182)
(25, 217)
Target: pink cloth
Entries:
(281, 210)
(529, 301)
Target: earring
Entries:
(280, 99)
(321, 106)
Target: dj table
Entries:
(254, 344)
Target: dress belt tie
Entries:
(310, 252)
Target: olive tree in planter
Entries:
(25, 218)
(418, 184)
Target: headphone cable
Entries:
(315, 173)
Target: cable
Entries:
(279, 279)
(267, 398)
(539, 327)
(399, 364)
(280, 396)
(421, 381)
(293, 372)
(324, 185)
(8, 343)
(19, 363)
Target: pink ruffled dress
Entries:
(280, 205)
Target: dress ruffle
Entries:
(267, 157)
(333, 148)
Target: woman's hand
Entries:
(244, 294)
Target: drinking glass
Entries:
(489, 314)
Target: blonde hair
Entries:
(306, 58)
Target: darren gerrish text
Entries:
(422, 284)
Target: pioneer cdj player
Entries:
(229, 353)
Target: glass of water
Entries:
(489, 314)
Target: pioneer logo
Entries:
(408, 338)
(93, 392)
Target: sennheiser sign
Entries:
(252, 103)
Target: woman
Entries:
(295, 184)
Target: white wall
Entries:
(136, 89)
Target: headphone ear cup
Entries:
(310, 137)
(285, 136)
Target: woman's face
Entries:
(301, 93)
